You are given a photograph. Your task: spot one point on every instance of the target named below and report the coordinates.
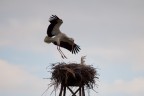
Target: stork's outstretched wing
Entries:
(54, 20)
(68, 46)
(50, 29)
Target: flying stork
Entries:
(55, 36)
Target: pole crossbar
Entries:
(80, 90)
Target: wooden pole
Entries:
(80, 91)
(64, 94)
(83, 92)
(60, 94)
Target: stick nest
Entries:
(73, 74)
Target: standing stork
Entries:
(55, 36)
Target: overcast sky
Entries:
(109, 32)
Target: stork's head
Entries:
(55, 19)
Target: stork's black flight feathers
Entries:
(68, 46)
(53, 21)
(50, 28)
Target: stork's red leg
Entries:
(59, 52)
(62, 54)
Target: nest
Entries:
(73, 74)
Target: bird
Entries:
(83, 60)
(58, 38)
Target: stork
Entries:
(83, 60)
(55, 36)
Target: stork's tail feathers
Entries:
(47, 39)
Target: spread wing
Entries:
(50, 29)
(53, 21)
(68, 46)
